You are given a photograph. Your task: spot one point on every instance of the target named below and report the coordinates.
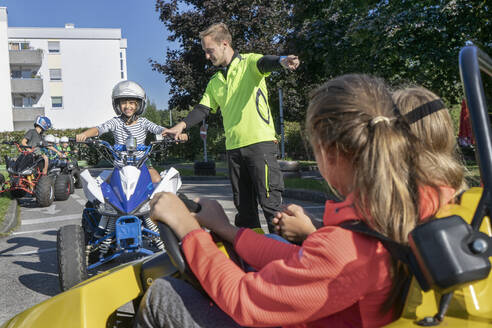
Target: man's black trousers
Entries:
(255, 178)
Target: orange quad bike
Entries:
(449, 256)
(25, 176)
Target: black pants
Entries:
(255, 177)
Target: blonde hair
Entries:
(219, 32)
(344, 115)
(431, 122)
(354, 115)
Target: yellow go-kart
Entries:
(449, 257)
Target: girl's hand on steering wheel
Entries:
(168, 208)
(213, 217)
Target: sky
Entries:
(139, 23)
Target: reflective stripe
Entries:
(267, 186)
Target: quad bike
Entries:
(449, 256)
(70, 170)
(25, 177)
(69, 166)
(116, 218)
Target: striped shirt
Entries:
(121, 132)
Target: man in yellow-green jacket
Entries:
(239, 90)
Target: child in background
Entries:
(34, 137)
(129, 101)
(337, 277)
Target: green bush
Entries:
(296, 143)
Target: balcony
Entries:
(27, 86)
(26, 58)
(21, 114)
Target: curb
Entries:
(203, 178)
(12, 219)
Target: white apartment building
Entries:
(66, 74)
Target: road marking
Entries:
(39, 251)
(31, 231)
(80, 200)
(52, 219)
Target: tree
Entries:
(152, 114)
(409, 41)
(256, 26)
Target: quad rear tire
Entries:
(63, 185)
(77, 178)
(70, 247)
(44, 191)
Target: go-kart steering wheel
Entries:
(171, 241)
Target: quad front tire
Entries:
(70, 247)
(44, 191)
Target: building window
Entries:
(57, 102)
(16, 74)
(19, 46)
(54, 47)
(23, 74)
(123, 75)
(121, 55)
(55, 74)
(26, 102)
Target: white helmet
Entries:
(49, 138)
(128, 89)
(57, 140)
(64, 139)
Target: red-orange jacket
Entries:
(337, 278)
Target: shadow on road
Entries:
(42, 256)
(28, 202)
(42, 283)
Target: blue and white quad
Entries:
(116, 218)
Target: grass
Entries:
(4, 205)
(472, 175)
(187, 172)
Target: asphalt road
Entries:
(28, 257)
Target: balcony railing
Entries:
(26, 57)
(26, 113)
(27, 86)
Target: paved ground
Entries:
(28, 256)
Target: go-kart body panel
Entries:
(470, 306)
(87, 305)
(91, 303)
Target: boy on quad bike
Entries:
(29, 173)
(129, 103)
(51, 151)
(65, 148)
(33, 138)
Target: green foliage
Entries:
(152, 114)
(404, 42)
(296, 142)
